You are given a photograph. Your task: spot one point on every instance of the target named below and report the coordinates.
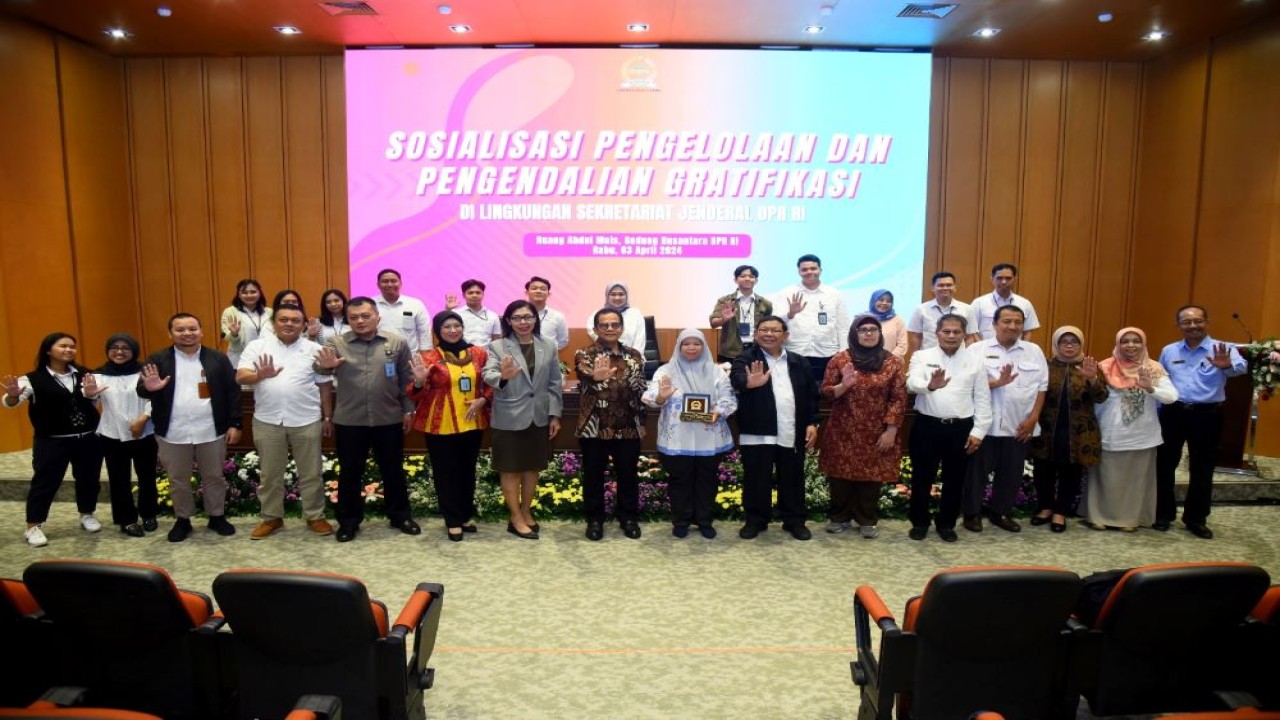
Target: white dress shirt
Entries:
(1141, 433)
(121, 405)
(479, 327)
(408, 317)
(984, 310)
(1012, 403)
(784, 401)
(809, 336)
(966, 395)
(555, 327)
(191, 421)
(924, 320)
(292, 398)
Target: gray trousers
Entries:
(180, 459)
(1005, 457)
(273, 443)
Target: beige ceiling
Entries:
(1055, 29)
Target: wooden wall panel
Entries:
(264, 124)
(335, 252)
(962, 189)
(1078, 195)
(224, 86)
(1041, 174)
(304, 174)
(96, 144)
(1002, 161)
(189, 181)
(1108, 296)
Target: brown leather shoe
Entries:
(265, 528)
(972, 523)
(320, 526)
(1004, 522)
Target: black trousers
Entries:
(1003, 458)
(692, 482)
(933, 443)
(120, 456)
(595, 458)
(1199, 427)
(759, 463)
(1057, 485)
(453, 470)
(354, 443)
(818, 366)
(49, 460)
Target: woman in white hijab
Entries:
(692, 386)
(617, 296)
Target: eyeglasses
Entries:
(609, 326)
(451, 326)
(868, 330)
(769, 331)
(522, 318)
(120, 348)
(1068, 341)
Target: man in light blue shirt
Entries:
(1199, 367)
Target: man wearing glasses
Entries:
(778, 422)
(611, 423)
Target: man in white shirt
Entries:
(480, 325)
(816, 315)
(554, 326)
(1018, 377)
(290, 402)
(401, 314)
(924, 319)
(953, 413)
(1003, 276)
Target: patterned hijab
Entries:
(693, 376)
(1122, 376)
(1068, 330)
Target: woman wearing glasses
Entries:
(524, 371)
(861, 448)
(128, 437)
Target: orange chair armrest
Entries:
(20, 595)
(414, 609)
(875, 607)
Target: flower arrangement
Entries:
(1264, 365)
(559, 490)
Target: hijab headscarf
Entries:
(455, 352)
(693, 376)
(1122, 375)
(871, 306)
(866, 359)
(617, 283)
(133, 367)
(1068, 330)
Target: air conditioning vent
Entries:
(339, 8)
(932, 11)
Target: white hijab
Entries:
(693, 376)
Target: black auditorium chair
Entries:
(996, 639)
(127, 635)
(64, 702)
(24, 635)
(1173, 637)
(294, 633)
(652, 357)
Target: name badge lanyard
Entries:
(389, 367)
(746, 317)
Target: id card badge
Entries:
(389, 369)
(744, 330)
(464, 384)
(822, 318)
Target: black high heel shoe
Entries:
(1040, 519)
(531, 535)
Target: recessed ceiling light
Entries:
(638, 27)
(460, 28)
(118, 33)
(1156, 35)
(287, 30)
(1105, 17)
(813, 29)
(163, 11)
(986, 32)
(444, 9)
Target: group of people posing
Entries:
(367, 370)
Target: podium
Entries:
(1239, 428)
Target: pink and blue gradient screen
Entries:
(762, 149)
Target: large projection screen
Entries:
(664, 168)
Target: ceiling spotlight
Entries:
(638, 27)
(986, 32)
(813, 29)
(163, 11)
(460, 29)
(1156, 35)
(287, 30)
(1105, 17)
(118, 33)
(444, 9)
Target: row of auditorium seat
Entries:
(64, 703)
(134, 641)
(1160, 639)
